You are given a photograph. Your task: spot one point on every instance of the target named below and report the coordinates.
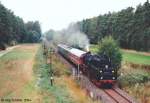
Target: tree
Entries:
(110, 47)
(34, 30)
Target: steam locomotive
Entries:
(97, 68)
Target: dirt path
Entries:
(16, 72)
(7, 50)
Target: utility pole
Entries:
(50, 63)
(78, 71)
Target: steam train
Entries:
(97, 68)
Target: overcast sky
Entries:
(57, 14)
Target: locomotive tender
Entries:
(97, 68)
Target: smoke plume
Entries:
(71, 36)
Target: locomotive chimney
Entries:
(87, 48)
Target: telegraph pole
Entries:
(50, 63)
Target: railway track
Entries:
(114, 95)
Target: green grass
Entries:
(16, 54)
(57, 93)
(136, 58)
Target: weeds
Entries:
(136, 76)
(136, 83)
(56, 93)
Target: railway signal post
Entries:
(78, 72)
(50, 52)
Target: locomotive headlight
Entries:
(113, 71)
(106, 66)
(100, 71)
(113, 78)
(101, 77)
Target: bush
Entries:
(137, 76)
(111, 48)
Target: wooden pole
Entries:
(78, 71)
(51, 72)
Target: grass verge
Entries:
(50, 94)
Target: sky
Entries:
(58, 14)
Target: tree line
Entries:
(14, 30)
(130, 27)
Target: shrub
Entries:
(137, 76)
(111, 48)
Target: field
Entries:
(130, 56)
(135, 57)
(17, 80)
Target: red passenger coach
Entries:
(76, 56)
(73, 54)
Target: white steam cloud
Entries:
(71, 36)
